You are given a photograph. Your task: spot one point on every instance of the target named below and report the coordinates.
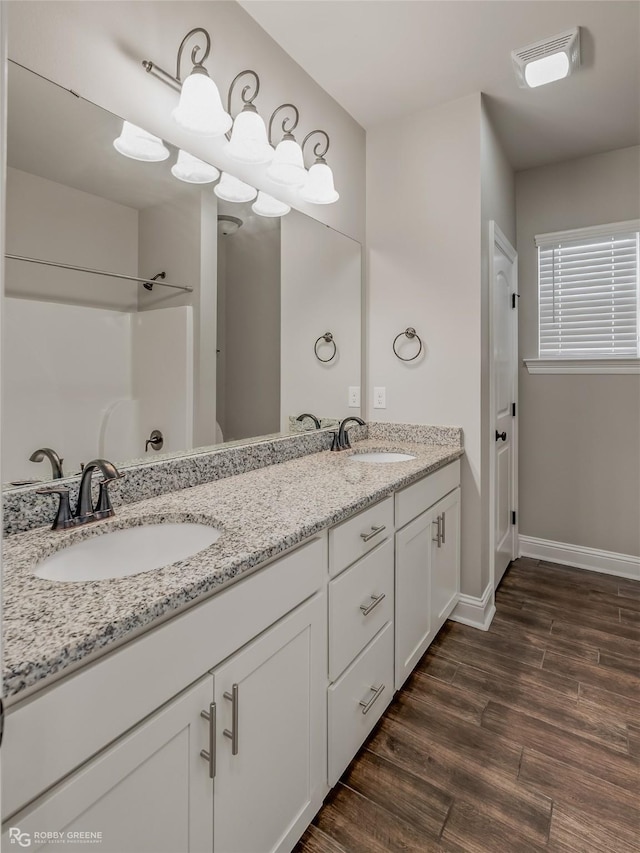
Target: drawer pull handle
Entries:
(444, 515)
(210, 754)
(374, 532)
(233, 734)
(367, 706)
(367, 608)
(438, 534)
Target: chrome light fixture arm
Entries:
(169, 79)
(285, 121)
(319, 152)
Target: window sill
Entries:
(582, 365)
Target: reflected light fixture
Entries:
(248, 142)
(139, 144)
(200, 107)
(234, 190)
(191, 170)
(228, 225)
(319, 188)
(266, 205)
(548, 60)
(287, 167)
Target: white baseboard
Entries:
(477, 612)
(591, 559)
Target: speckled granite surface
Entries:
(48, 626)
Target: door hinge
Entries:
(513, 516)
(513, 410)
(514, 296)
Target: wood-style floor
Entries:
(522, 738)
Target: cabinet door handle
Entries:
(233, 734)
(374, 532)
(444, 515)
(210, 755)
(367, 706)
(439, 534)
(367, 608)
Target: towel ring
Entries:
(410, 333)
(328, 339)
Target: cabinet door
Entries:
(413, 593)
(271, 735)
(445, 564)
(149, 793)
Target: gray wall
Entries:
(579, 435)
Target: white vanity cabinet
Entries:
(149, 793)
(427, 564)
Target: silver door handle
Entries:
(367, 706)
(233, 734)
(438, 538)
(374, 532)
(444, 515)
(367, 608)
(210, 754)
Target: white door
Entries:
(503, 401)
(149, 793)
(271, 736)
(445, 559)
(413, 593)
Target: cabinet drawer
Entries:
(415, 499)
(360, 603)
(359, 535)
(354, 707)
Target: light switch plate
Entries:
(354, 396)
(380, 398)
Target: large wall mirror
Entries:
(262, 321)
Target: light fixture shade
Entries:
(249, 142)
(266, 205)
(191, 170)
(200, 109)
(139, 144)
(234, 190)
(548, 60)
(287, 167)
(319, 188)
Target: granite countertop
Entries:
(49, 626)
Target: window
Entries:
(588, 293)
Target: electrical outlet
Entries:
(354, 396)
(380, 398)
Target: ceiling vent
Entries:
(547, 60)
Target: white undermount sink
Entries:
(131, 551)
(381, 456)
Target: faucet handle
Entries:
(64, 518)
(103, 508)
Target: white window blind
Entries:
(588, 292)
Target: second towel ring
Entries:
(410, 333)
(328, 339)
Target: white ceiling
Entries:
(382, 59)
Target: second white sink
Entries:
(381, 456)
(121, 553)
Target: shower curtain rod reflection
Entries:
(138, 279)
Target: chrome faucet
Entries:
(341, 438)
(309, 415)
(56, 463)
(85, 512)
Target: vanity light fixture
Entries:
(234, 190)
(138, 144)
(287, 167)
(319, 188)
(200, 107)
(191, 170)
(547, 60)
(266, 205)
(248, 142)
